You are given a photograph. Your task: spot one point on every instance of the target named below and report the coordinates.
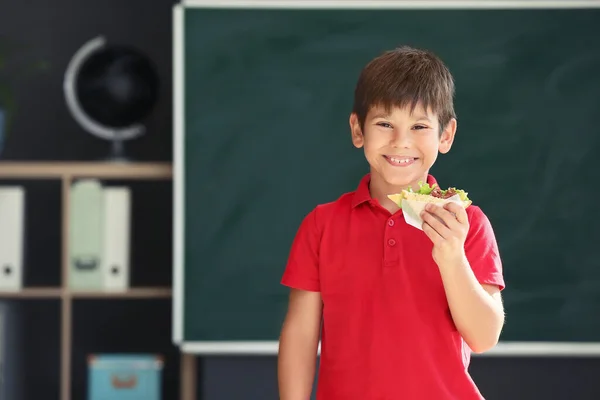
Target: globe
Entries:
(117, 86)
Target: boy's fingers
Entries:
(436, 223)
(433, 235)
(442, 214)
(458, 211)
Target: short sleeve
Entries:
(302, 269)
(481, 249)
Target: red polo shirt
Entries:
(387, 332)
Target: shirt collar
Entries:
(362, 194)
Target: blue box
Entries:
(124, 377)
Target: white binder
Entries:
(117, 229)
(12, 221)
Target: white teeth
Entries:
(400, 161)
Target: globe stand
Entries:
(117, 152)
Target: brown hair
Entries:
(405, 76)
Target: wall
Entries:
(52, 32)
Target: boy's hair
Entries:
(405, 76)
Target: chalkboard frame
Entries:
(265, 348)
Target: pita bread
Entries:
(425, 198)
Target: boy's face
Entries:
(401, 146)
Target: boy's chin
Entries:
(400, 181)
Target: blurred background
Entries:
(157, 157)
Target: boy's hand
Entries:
(447, 227)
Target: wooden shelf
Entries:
(32, 293)
(133, 293)
(49, 292)
(101, 170)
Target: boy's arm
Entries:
(301, 328)
(298, 345)
(476, 308)
(467, 255)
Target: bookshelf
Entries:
(66, 173)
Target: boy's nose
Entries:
(400, 139)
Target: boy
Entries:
(400, 308)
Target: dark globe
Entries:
(117, 86)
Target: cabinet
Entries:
(65, 173)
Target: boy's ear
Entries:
(447, 136)
(356, 132)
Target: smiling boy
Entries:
(398, 309)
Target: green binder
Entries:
(85, 234)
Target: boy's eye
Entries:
(384, 124)
(417, 127)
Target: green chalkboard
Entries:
(265, 137)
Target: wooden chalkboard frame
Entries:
(503, 349)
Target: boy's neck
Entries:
(379, 190)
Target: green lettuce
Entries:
(424, 188)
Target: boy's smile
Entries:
(400, 161)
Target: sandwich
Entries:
(413, 202)
(431, 194)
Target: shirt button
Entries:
(392, 242)
(391, 222)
